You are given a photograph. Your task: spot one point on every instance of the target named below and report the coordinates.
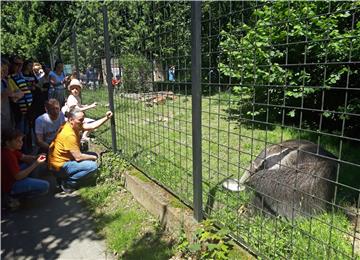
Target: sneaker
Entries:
(66, 189)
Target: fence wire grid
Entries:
(280, 104)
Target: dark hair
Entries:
(57, 62)
(9, 134)
(14, 57)
(51, 102)
(27, 62)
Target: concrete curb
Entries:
(157, 201)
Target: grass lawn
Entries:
(158, 140)
(130, 231)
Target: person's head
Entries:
(27, 66)
(76, 118)
(15, 64)
(46, 69)
(52, 107)
(37, 68)
(12, 139)
(75, 87)
(59, 66)
(4, 67)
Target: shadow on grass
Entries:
(152, 245)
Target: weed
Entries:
(209, 243)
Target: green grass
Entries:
(129, 230)
(158, 140)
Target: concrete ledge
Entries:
(157, 201)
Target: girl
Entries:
(73, 100)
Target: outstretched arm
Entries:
(97, 123)
(86, 107)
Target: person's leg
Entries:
(30, 187)
(77, 172)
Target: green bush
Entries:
(137, 73)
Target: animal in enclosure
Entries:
(157, 98)
(291, 179)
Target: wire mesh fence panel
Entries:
(83, 55)
(280, 115)
(281, 125)
(153, 105)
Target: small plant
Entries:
(111, 168)
(209, 243)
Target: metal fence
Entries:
(211, 92)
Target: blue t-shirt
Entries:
(58, 79)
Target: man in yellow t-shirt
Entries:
(65, 154)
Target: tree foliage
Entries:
(30, 28)
(292, 55)
(295, 52)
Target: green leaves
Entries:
(27, 28)
(299, 54)
(209, 243)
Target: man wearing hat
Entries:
(74, 101)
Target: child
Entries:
(73, 100)
(15, 180)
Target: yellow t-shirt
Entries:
(65, 141)
(12, 85)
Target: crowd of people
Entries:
(42, 128)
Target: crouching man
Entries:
(65, 156)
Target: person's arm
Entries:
(16, 93)
(52, 80)
(15, 96)
(79, 156)
(40, 142)
(97, 123)
(86, 107)
(40, 129)
(24, 173)
(28, 158)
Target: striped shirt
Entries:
(25, 102)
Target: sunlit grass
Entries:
(129, 230)
(158, 139)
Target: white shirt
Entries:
(48, 128)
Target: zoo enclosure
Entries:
(270, 72)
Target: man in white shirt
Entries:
(47, 125)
